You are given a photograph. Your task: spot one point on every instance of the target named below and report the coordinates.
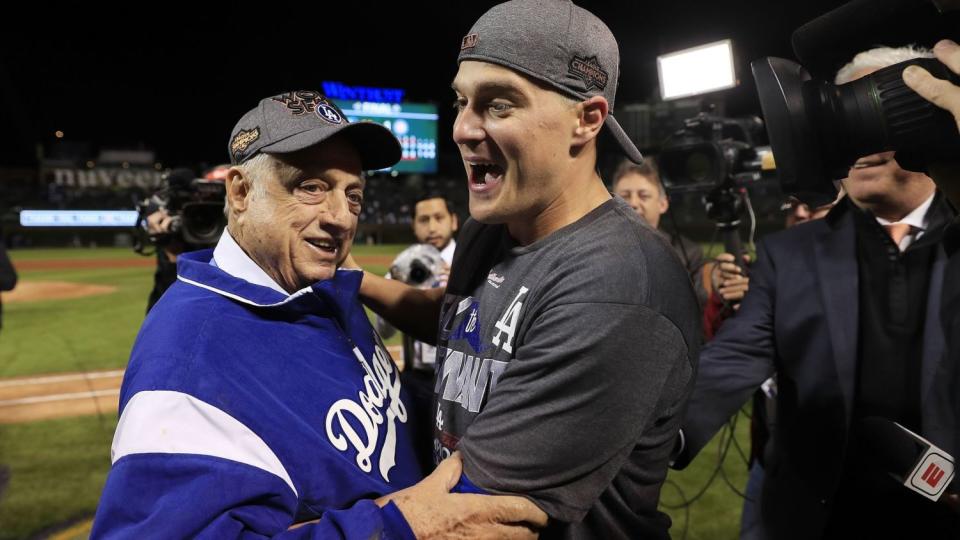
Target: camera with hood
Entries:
(195, 206)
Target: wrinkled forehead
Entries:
(334, 154)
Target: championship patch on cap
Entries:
(469, 41)
(242, 140)
(589, 71)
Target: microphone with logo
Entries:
(909, 458)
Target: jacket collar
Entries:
(336, 296)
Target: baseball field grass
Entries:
(55, 469)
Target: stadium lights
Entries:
(698, 70)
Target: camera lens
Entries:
(699, 167)
(818, 130)
(875, 113)
(203, 223)
(418, 273)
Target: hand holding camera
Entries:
(946, 95)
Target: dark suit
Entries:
(800, 321)
(8, 276)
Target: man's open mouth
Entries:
(485, 175)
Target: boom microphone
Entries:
(832, 39)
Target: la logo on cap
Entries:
(932, 475)
(329, 113)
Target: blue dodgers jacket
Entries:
(243, 410)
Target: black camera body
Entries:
(195, 207)
(716, 156)
(711, 151)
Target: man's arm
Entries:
(947, 96)
(734, 364)
(411, 310)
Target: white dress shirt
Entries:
(917, 219)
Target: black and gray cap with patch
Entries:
(300, 119)
(555, 42)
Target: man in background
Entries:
(8, 275)
(434, 223)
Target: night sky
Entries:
(175, 82)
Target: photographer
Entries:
(8, 275)
(843, 310)
(158, 225)
(161, 218)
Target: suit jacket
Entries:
(800, 321)
(8, 276)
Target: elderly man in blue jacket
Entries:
(257, 394)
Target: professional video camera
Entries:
(818, 130)
(717, 156)
(195, 206)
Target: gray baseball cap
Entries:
(555, 42)
(300, 119)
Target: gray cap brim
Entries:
(377, 146)
(629, 149)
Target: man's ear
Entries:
(239, 189)
(591, 113)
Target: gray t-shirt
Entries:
(564, 368)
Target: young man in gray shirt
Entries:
(568, 331)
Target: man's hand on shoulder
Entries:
(433, 512)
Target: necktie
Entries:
(897, 231)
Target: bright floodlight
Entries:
(697, 70)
